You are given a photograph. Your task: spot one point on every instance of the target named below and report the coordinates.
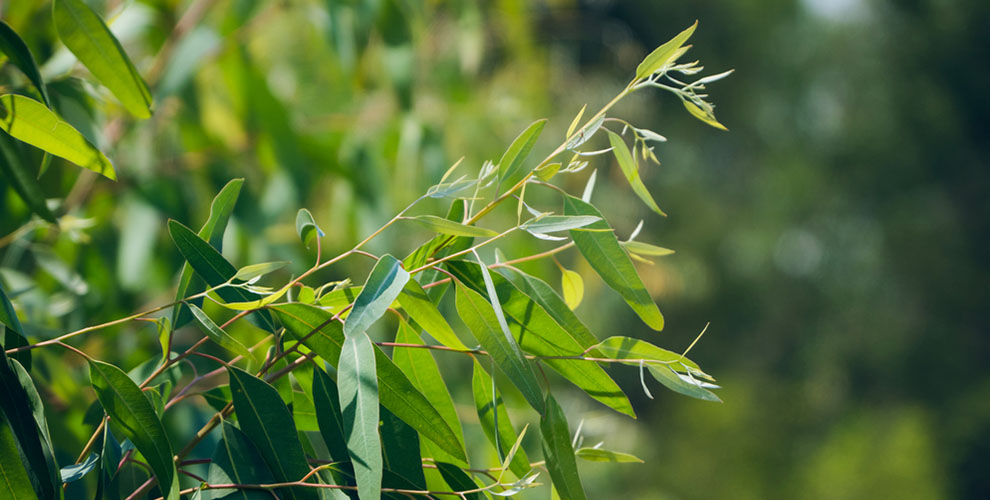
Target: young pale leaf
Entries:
(250, 272)
(554, 223)
(20, 178)
(586, 133)
(383, 286)
(495, 420)
(84, 33)
(449, 227)
(650, 135)
(682, 384)
(237, 461)
(212, 232)
(78, 471)
(30, 121)
(627, 162)
(133, 414)
(589, 188)
(636, 351)
(459, 481)
(600, 455)
(479, 316)
(422, 310)
(216, 334)
(12, 334)
(661, 56)
(603, 252)
(14, 481)
(559, 454)
(19, 55)
(573, 287)
(704, 115)
(575, 121)
(357, 386)
(266, 419)
(510, 167)
(306, 227)
(640, 248)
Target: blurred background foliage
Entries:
(836, 238)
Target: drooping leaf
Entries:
(328, 416)
(600, 455)
(357, 386)
(25, 184)
(25, 415)
(439, 246)
(237, 461)
(640, 248)
(14, 481)
(627, 162)
(572, 286)
(213, 268)
(510, 167)
(252, 271)
(78, 471)
(110, 455)
(555, 223)
(266, 420)
(212, 231)
(383, 286)
(30, 121)
(395, 391)
(13, 333)
(559, 454)
(216, 334)
(704, 114)
(544, 295)
(132, 413)
(423, 311)
(451, 228)
(683, 384)
(19, 55)
(495, 419)
(661, 56)
(84, 33)
(636, 350)
(480, 318)
(609, 260)
(400, 449)
(306, 227)
(459, 480)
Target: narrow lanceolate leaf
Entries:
(704, 114)
(451, 228)
(19, 55)
(683, 384)
(646, 249)
(13, 333)
(627, 162)
(636, 351)
(328, 415)
(554, 223)
(212, 231)
(600, 455)
(609, 260)
(20, 178)
(265, 418)
(21, 405)
(357, 385)
(459, 480)
(423, 311)
(661, 56)
(30, 121)
(213, 268)
(14, 481)
(216, 334)
(538, 333)
(250, 272)
(237, 461)
(84, 33)
(575, 121)
(510, 167)
(383, 286)
(396, 392)
(401, 449)
(135, 417)
(479, 316)
(495, 420)
(78, 471)
(559, 454)
(306, 227)
(544, 295)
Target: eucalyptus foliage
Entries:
(319, 408)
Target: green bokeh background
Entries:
(836, 238)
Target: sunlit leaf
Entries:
(559, 454)
(585, 133)
(640, 248)
(84, 33)
(495, 421)
(510, 166)
(554, 223)
(14, 481)
(572, 286)
(357, 386)
(704, 115)
(682, 384)
(449, 227)
(216, 334)
(382, 287)
(627, 162)
(661, 56)
(423, 311)
(575, 121)
(250, 272)
(635, 350)
(600, 455)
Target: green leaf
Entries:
(544, 295)
(480, 317)
(423, 311)
(572, 286)
(30, 121)
(510, 166)
(683, 384)
(14, 481)
(449, 227)
(306, 227)
(327, 403)
(216, 334)
(459, 480)
(19, 55)
(382, 287)
(13, 333)
(495, 419)
(212, 231)
(636, 350)
(357, 386)
(213, 268)
(250, 272)
(627, 162)
(396, 392)
(23, 410)
(133, 414)
(538, 333)
(78, 471)
(575, 122)
(401, 450)
(25, 184)
(84, 33)
(640, 248)
(304, 412)
(237, 461)
(600, 455)
(706, 115)
(559, 454)
(266, 419)
(554, 223)
(661, 56)
(603, 252)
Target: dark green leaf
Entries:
(237, 461)
(21, 405)
(600, 455)
(306, 227)
(30, 121)
(84, 33)
(78, 471)
(25, 184)
(400, 447)
(459, 480)
(19, 55)
(479, 316)
(357, 386)
(510, 167)
(627, 162)
(14, 481)
(133, 414)
(327, 404)
(12, 332)
(661, 56)
(383, 286)
(559, 454)
(216, 334)
(609, 260)
(415, 301)
(265, 418)
(492, 415)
